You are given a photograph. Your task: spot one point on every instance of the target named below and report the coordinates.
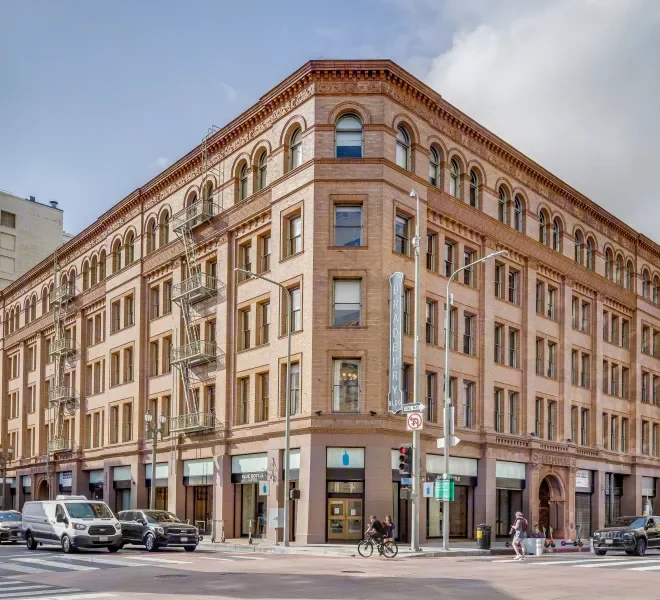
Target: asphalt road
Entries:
(48, 574)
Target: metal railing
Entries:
(192, 422)
(195, 353)
(61, 393)
(60, 445)
(197, 287)
(63, 293)
(63, 346)
(197, 213)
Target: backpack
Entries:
(524, 524)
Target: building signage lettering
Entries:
(395, 395)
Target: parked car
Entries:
(633, 534)
(10, 526)
(72, 522)
(157, 528)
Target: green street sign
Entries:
(444, 490)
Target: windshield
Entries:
(632, 522)
(161, 517)
(10, 516)
(88, 510)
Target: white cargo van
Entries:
(72, 522)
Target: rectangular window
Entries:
(656, 343)
(584, 431)
(294, 235)
(264, 322)
(499, 280)
(128, 365)
(498, 410)
(431, 252)
(614, 387)
(468, 273)
(167, 297)
(153, 359)
(514, 277)
(405, 383)
(346, 385)
(114, 368)
(244, 261)
(645, 386)
(450, 259)
(430, 321)
(645, 339)
(605, 377)
(296, 310)
(89, 330)
(537, 416)
(584, 376)
(513, 348)
(552, 371)
(210, 332)
(645, 437)
(430, 396)
(129, 311)
(296, 405)
(347, 302)
(574, 423)
(585, 317)
(127, 422)
(167, 354)
(244, 325)
(574, 313)
(348, 225)
(468, 407)
(407, 309)
(606, 326)
(613, 433)
(625, 333)
(116, 316)
(402, 235)
(605, 423)
(265, 248)
(654, 440)
(468, 334)
(263, 391)
(154, 307)
(551, 302)
(574, 367)
(8, 219)
(499, 350)
(539, 297)
(552, 418)
(539, 356)
(513, 412)
(99, 327)
(654, 388)
(243, 400)
(624, 435)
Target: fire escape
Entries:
(62, 397)
(190, 293)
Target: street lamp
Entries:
(287, 400)
(447, 425)
(5, 458)
(154, 430)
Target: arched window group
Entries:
(295, 149)
(348, 137)
(543, 228)
(434, 167)
(556, 235)
(403, 147)
(454, 179)
(502, 205)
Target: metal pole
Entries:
(152, 499)
(414, 542)
(4, 483)
(287, 399)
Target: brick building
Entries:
(554, 346)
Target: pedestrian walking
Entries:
(519, 530)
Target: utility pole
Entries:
(5, 458)
(154, 430)
(416, 466)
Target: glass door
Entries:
(345, 519)
(336, 520)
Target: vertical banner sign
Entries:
(395, 395)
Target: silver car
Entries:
(10, 526)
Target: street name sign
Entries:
(395, 394)
(453, 440)
(414, 408)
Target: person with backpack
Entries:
(519, 530)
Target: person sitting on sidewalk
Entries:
(519, 529)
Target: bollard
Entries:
(539, 547)
(222, 534)
(250, 531)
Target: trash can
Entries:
(483, 537)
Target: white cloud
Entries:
(229, 92)
(159, 163)
(574, 84)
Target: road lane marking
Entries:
(656, 568)
(21, 585)
(104, 560)
(246, 558)
(83, 596)
(41, 593)
(23, 569)
(574, 562)
(213, 558)
(164, 560)
(52, 563)
(610, 564)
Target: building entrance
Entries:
(345, 519)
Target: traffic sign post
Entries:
(453, 440)
(414, 421)
(420, 407)
(444, 490)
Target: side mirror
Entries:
(141, 521)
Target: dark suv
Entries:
(156, 528)
(633, 534)
(10, 526)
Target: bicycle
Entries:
(387, 549)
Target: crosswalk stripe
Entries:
(575, 562)
(165, 560)
(656, 568)
(246, 558)
(611, 564)
(83, 596)
(23, 569)
(39, 593)
(20, 585)
(51, 563)
(213, 558)
(104, 560)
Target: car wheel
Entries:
(190, 548)
(601, 552)
(113, 548)
(30, 543)
(67, 546)
(640, 548)
(150, 543)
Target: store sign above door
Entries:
(395, 395)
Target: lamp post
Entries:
(447, 425)
(153, 430)
(5, 458)
(287, 400)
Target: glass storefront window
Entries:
(345, 487)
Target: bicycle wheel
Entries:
(390, 549)
(365, 548)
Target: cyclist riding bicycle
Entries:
(375, 529)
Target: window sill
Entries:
(116, 385)
(284, 335)
(122, 329)
(405, 256)
(347, 327)
(505, 366)
(291, 256)
(360, 247)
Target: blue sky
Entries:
(99, 96)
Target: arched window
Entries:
(517, 214)
(129, 248)
(17, 317)
(556, 235)
(164, 227)
(629, 271)
(242, 182)
(11, 321)
(474, 189)
(656, 289)
(402, 147)
(434, 167)
(94, 270)
(5, 324)
(44, 301)
(207, 196)
(348, 137)
(295, 149)
(609, 259)
(645, 284)
(102, 263)
(618, 270)
(85, 276)
(116, 257)
(27, 311)
(33, 308)
(190, 200)
(543, 233)
(454, 179)
(578, 247)
(262, 174)
(151, 236)
(590, 255)
(502, 205)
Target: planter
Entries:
(530, 546)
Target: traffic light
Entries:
(406, 460)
